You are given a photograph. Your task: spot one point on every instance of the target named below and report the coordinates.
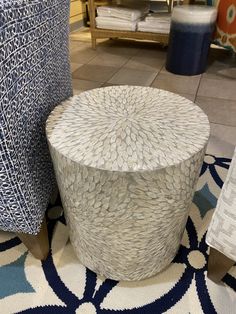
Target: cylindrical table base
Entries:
(126, 226)
(127, 159)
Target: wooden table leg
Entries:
(92, 9)
(38, 244)
(218, 265)
(170, 5)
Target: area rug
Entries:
(62, 285)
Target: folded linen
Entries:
(158, 18)
(158, 21)
(153, 25)
(115, 24)
(153, 28)
(158, 15)
(120, 12)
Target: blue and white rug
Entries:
(62, 285)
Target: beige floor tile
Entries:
(222, 140)
(82, 55)
(71, 46)
(218, 110)
(164, 71)
(83, 85)
(119, 47)
(225, 89)
(220, 70)
(110, 59)
(83, 34)
(152, 51)
(108, 84)
(145, 63)
(74, 43)
(74, 66)
(133, 77)
(94, 72)
(188, 96)
(177, 83)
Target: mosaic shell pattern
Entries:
(129, 128)
(127, 225)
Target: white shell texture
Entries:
(130, 128)
(127, 225)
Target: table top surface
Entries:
(128, 128)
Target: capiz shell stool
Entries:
(127, 160)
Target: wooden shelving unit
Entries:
(107, 33)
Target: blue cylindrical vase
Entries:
(190, 37)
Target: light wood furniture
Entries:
(107, 33)
(37, 244)
(218, 265)
(96, 4)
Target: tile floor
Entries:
(143, 63)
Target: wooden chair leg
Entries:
(218, 265)
(38, 244)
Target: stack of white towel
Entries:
(155, 23)
(120, 17)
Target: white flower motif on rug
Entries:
(62, 285)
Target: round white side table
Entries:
(127, 160)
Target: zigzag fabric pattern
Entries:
(222, 230)
(34, 77)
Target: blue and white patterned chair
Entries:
(221, 235)
(34, 77)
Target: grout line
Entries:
(157, 75)
(196, 94)
(122, 66)
(230, 126)
(83, 63)
(217, 98)
(91, 59)
(86, 79)
(119, 68)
